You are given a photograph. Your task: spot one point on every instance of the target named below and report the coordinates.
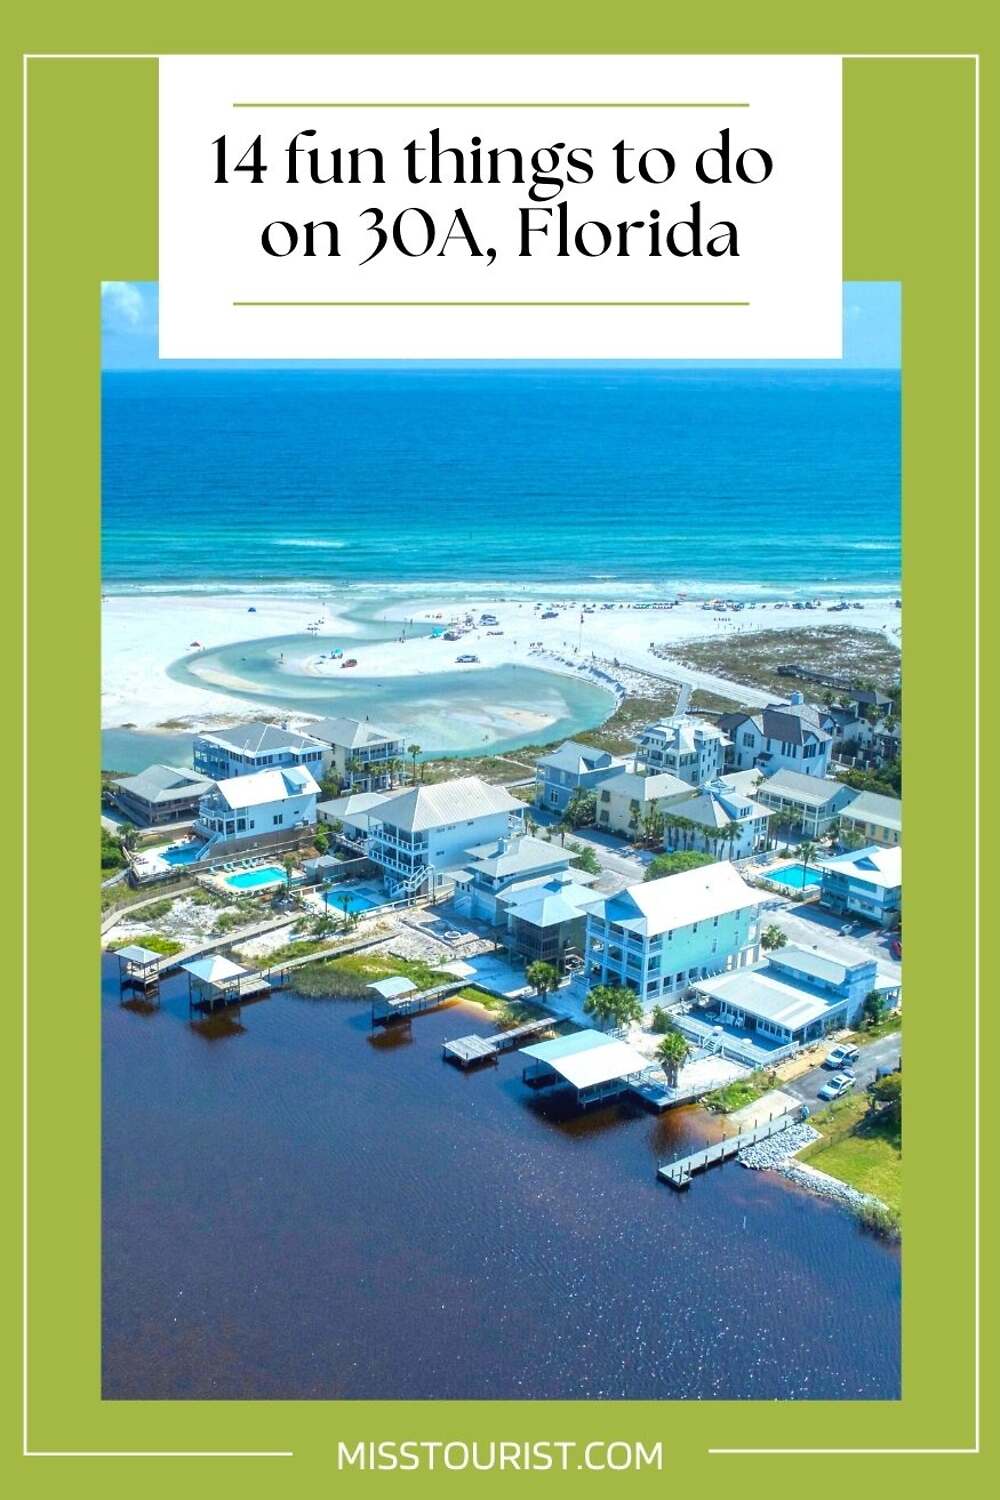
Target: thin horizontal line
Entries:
(491, 304)
(490, 104)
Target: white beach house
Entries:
(247, 748)
(508, 864)
(866, 883)
(659, 937)
(422, 836)
(807, 804)
(689, 748)
(263, 804)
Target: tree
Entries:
(874, 1008)
(413, 751)
(330, 786)
(127, 835)
(807, 853)
(289, 864)
(584, 858)
(321, 838)
(542, 976)
(887, 1098)
(613, 1005)
(674, 864)
(673, 1052)
(772, 937)
(731, 834)
(581, 808)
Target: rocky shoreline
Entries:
(778, 1155)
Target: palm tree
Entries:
(542, 976)
(731, 834)
(413, 751)
(807, 852)
(673, 1052)
(613, 1005)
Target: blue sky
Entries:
(129, 311)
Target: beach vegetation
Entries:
(676, 863)
(673, 1052)
(613, 1005)
(859, 1146)
(740, 1092)
(887, 781)
(584, 858)
(156, 942)
(542, 976)
(112, 854)
(413, 751)
(661, 1020)
(772, 937)
(581, 810)
(347, 975)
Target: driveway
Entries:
(884, 1053)
(812, 928)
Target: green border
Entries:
(909, 216)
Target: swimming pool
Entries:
(351, 901)
(794, 877)
(181, 854)
(250, 880)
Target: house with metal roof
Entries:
(627, 798)
(248, 807)
(358, 753)
(873, 818)
(160, 794)
(571, 768)
(422, 836)
(808, 804)
(547, 920)
(659, 937)
(795, 996)
(864, 883)
(507, 864)
(790, 736)
(727, 823)
(247, 748)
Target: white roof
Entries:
(353, 809)
(214, 969)
(795, 786)
(266, 786)
(875, 865)
(873, 807)
(133, 954)
(762, 994)
(392, 988)
(679, 900)
(642, 788)
(351, 734)
(437, 805)
(589, 1058)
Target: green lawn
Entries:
(865, 1153)
(738, 1093)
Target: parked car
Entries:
(896, 948)
(836, 1057)
(839, 1084)
(466, 659)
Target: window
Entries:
(278, 818)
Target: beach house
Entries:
(795, 996)
(628, 801)
(719, 820)
(873, 818)
(864, 883)
(659, 937)
(247, 748)
(264, 806)
(507, 864)
(689, 748)
(803, 804)
(422, 836)
(571, 768)
(781, 737)
(547, 920)
(160, 795)
(359, 754)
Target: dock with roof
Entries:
(398, 999)
(215, 982)
(597, 1066)
(138, 968)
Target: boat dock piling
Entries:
(679, 1173)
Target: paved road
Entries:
(881, 1054)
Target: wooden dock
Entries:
(465, 1051)
(386, 1012)
(679, 1173)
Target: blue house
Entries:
(571, 768)
(246, 748)
(864, 883)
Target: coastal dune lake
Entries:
(295, 1207)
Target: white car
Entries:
(839, 1084)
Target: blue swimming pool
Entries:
(182, 854)
(251, 880)
(351, 901)
(794, 877)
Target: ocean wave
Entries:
(320, 543)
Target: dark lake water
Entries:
(298, 1209)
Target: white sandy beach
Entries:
(144, 634)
